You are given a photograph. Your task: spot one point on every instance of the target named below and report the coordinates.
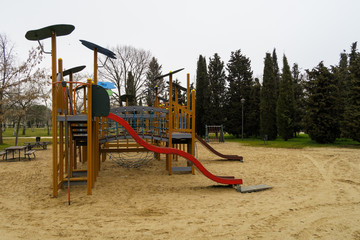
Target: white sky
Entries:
(176, 32)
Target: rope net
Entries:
(131, 159)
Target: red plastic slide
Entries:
(165, 150)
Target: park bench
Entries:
(29, 152)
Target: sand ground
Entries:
(315, 195)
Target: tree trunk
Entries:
(1, 133)
(48, 128)
(1, 121)
(17, 131)
(24, 128)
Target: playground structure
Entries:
(86, 137)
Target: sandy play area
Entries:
(315, 195)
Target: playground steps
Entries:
(181, 169)
(79, 173)
(75, 181)
(79, 132)
(254, 188)
(79, 177)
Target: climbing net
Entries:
(131, 159)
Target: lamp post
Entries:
(242, 118)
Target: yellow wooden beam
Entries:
(89, 139)
(54, 122)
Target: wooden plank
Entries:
(76, 179)
(254, 188)
(181, 169)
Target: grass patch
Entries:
(301, 141)
(11, 142)
(9, 138)
(30, 132)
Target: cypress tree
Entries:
(217, 81)
(276, 72)
(130, 89)
(299, 104)
(254, 105)
(285, 103)
(239, 82)
(352, 110)
(202, 95)
(268, 100)
(341, 73)
(322, 122)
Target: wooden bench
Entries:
(3, 154)
(29, 152)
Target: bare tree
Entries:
(45, 97)
(8, 72)
(129, 59)
(25, 87)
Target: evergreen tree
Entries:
(299, 103)
(322, 122)
(217, 81)
(202, 95)
(276, 72)
(239, 87)
(353, 54)
(253, 126)
(352, 110)
(342, 76)
(153, 72)
(285, 103)
(268, 100)
(130, 89)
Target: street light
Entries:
(242, 118)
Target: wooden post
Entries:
(54, 121)
(59, 101)
(169, 156)
(193, 127)
(71, 92)
(103, 128)
(188, 100)
(71, 144)
(89, 139)
(95, 143)
(85, 107)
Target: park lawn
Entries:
(9, 138)
(301, 141)
(7, 142)
(30, 132)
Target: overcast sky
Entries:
(177, 32)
